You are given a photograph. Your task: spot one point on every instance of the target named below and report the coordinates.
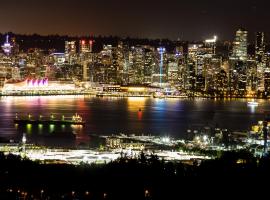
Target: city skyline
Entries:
(186, 20)
(202, 69)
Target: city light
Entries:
(213, 40)
(7, 46)
(134, 100)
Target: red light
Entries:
(91, 42)
(83, 42)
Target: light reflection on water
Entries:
(128, 115)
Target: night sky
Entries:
(184, 19)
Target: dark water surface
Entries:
(114, 115)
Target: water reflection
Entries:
(136, 103)
(252, 109)
(52, 128)
(113, 115)
(29, 129)
(40, 129)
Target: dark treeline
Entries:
(58, 42)
(142, 178)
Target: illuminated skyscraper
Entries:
(70, 47)
(240, 45)
(86, 46)
(212, 44)
(70, 51)
(161, 52)
(7, 46)
(262, 74)
(260, 47)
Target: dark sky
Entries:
(185, 19)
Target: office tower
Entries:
(262, 72)
(70, 52)
(240, 45)
(149, 64)
(70, 47)
(161, 52)
(260, 47)
(15, 45)
(86, 46)
(211, 43)
(136, 65)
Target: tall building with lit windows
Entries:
(7, 47)
(70, 51)
(70, 47)
(240, 45)
(238, 64)
(260, 47)
(261, 62)
(86, 46)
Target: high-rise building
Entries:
(161, 52)
(70, 47)
(240, 45)
(260, 47)
(70, 51)
(7, 46)
(149, 64)
(212, 44)
(86, 46)
(136, 65)
(15, 45)
(261, 62)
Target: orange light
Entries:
(139, 115)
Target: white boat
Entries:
(253, 103)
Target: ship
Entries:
(74, 120)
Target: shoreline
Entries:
(127, 96)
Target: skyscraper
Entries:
(70, 47)
(260, 47)
(86, 46)
(70, 51)
(240, 45)
(7, 46)
(262, 75)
